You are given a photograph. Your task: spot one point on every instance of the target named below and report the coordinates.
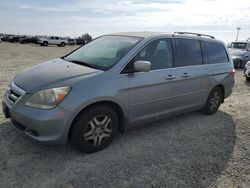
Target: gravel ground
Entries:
(191, 150)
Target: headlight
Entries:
(49, 98)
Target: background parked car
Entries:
(16, 38)
(80, 41)
(28, 40)
(240, 52)
(13, 39)
(72, 41)
(53, 40)
(247, 71)
(5, 38)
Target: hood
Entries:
(50, 73)
(237, 52)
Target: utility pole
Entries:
(238, 31)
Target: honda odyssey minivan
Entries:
(116, 81)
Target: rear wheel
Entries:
(214, 101)
(94, 129)
(248, 79)
(45, 43)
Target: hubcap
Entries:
(97, 130)
(215, 101)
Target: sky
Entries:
(219, 18)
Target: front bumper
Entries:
(47, 126)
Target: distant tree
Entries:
(87, 37)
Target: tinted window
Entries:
(57, 38)
(188, 52)
(158, 52)
(216, 52)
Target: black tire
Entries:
(240, 64)
(87, 135)
(62, 44)
(214, 101)
(45, 43)
(236, 64)
(248, 79)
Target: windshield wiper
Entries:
(84, 64)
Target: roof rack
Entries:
(197, 34)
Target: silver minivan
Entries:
(116, 81)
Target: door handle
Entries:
(170, 77)
(186, 75)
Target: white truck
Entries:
(53, 40)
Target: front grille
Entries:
(14, 93)
(13, 96)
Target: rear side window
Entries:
(216, 52)
(187, 52)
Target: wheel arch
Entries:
(222, 89)
(116, 107)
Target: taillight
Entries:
(233, 73)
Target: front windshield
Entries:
(238, 45)
(103, 52)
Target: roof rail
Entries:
(197, 34)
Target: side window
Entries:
(57, 38)
(158, 52)
(248, 47)
(188, 52)
(216, 52)
(52, 38)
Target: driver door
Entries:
(153, 93)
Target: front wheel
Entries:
(248, 79)
(214, 101)
(62, 44)
(94, 129)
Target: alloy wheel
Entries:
(98, 130)
(215, 101)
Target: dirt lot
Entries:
(191, 150)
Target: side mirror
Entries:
(142, 66)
